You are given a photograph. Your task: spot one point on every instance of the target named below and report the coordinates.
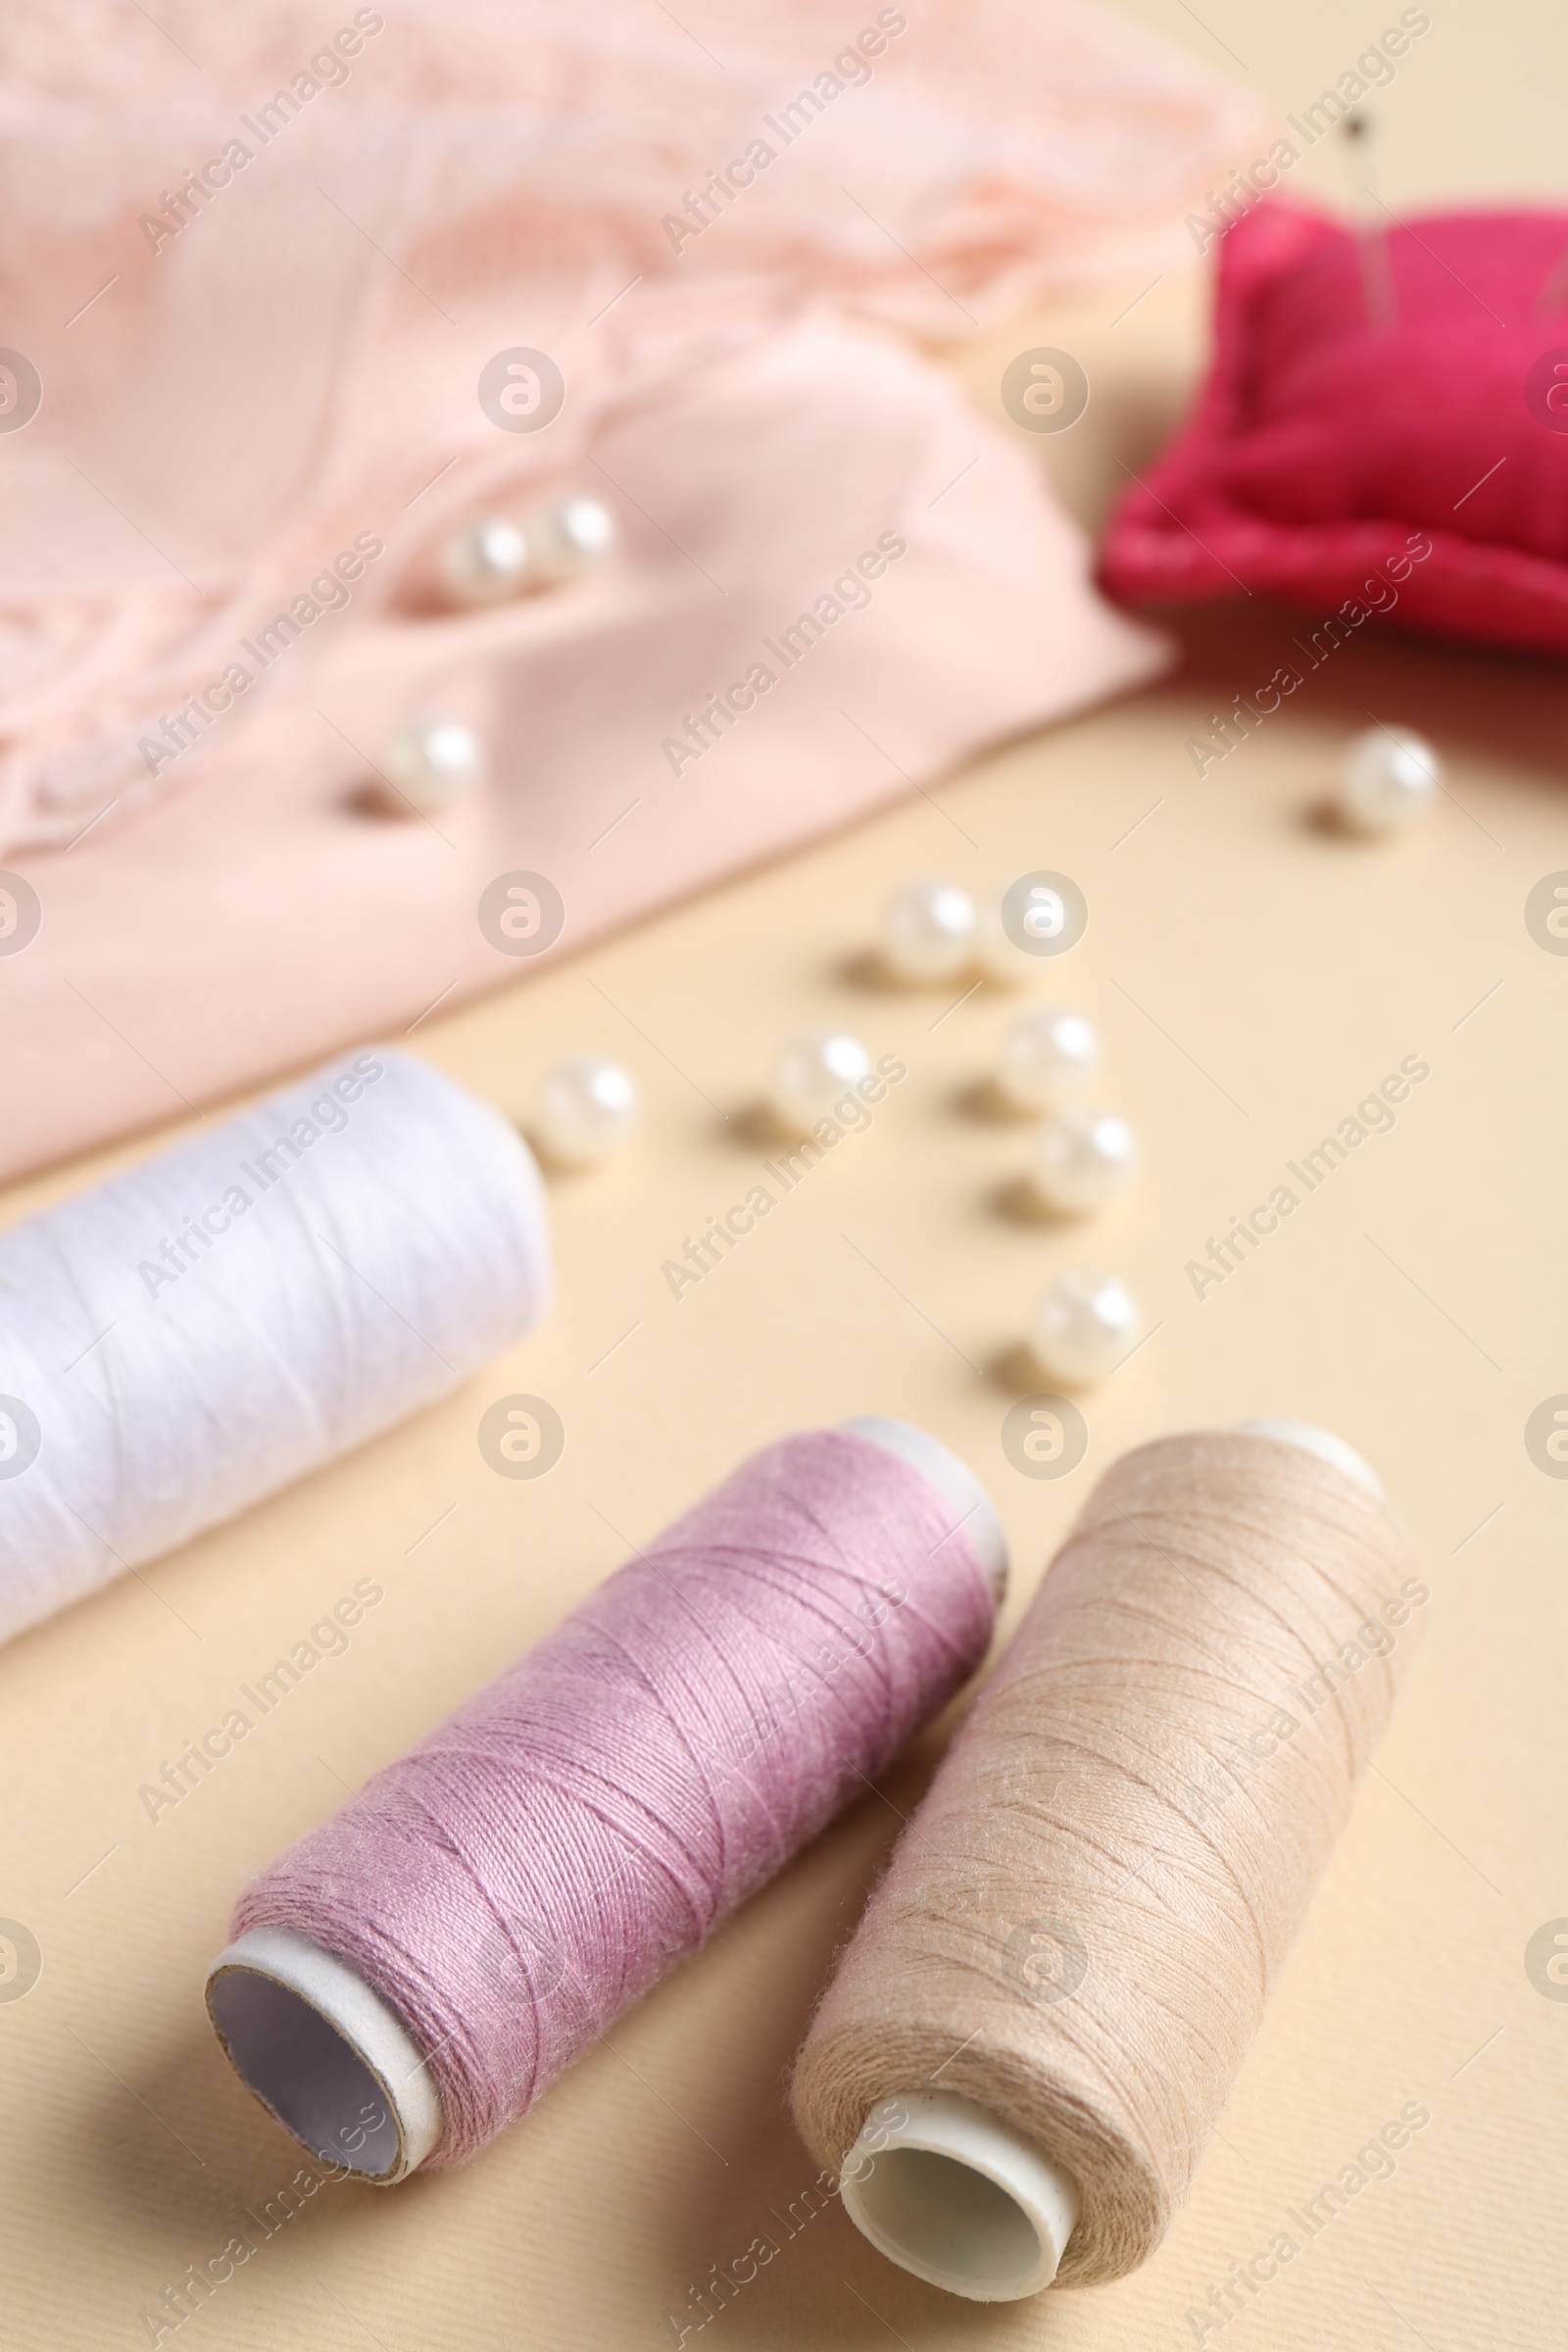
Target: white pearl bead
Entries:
(1046, 1054)
(570, 535)
(1391, 777)
(1084, 1324)
(586, 1109)
(812, 1073)
(432, 761)
(1083, 1158)
(485, 562)
(928, 931)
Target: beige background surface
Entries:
(1253, 977)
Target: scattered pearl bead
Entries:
(812, 1073)
(586, 1109)
(1084, 1324)
(485, 562)
(570, 535)
(432, 761)
(1046, 1054)
(928, 931)
(1391, 777)
(1083, 1158)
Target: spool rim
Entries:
(953, 1481)
(314, 2089)
(1322, 1442)
(959, 2198)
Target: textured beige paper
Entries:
(1255, 978)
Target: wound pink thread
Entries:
(530, 1868)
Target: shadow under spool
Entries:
(327, 2052)
(997, 2127)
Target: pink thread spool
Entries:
(410, 1976)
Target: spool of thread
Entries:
(274, 1290)
(412, 1974)
(1020, 2059)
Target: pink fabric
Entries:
(231, 404)
(748, 1675)
(1369, 399)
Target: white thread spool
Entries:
(329, 2058)
(268, 1293)
(952, 2192)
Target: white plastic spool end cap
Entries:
(1321, 1442)
(948, 2191)
(324, 2054)
(953, 1481)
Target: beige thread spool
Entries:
(1147, 1788)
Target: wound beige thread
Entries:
(1082, 1925)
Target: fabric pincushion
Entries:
(1372, 397)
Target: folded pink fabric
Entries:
(252, 275)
